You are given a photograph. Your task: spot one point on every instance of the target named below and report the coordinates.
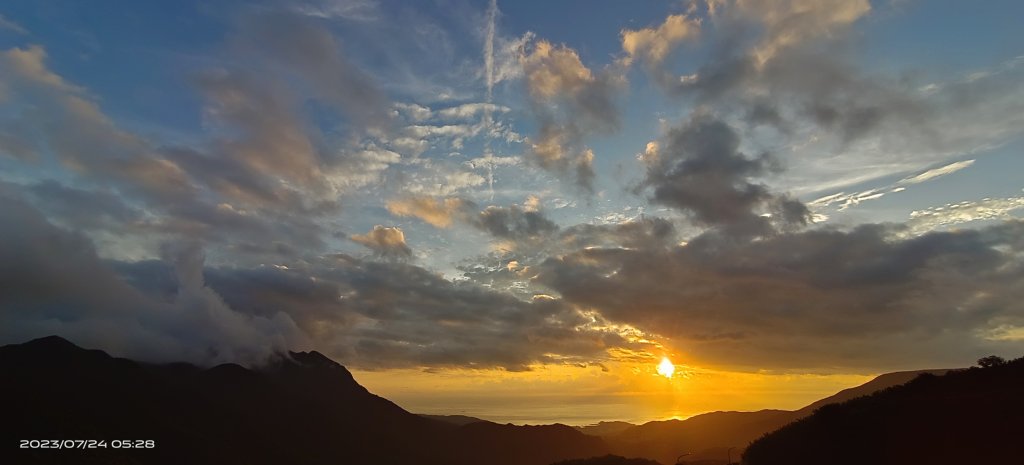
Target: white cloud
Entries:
(357, 10)
(922, 221)
(441, 183)
(469, 110)
(845, 201)
(362, 168)
(935, 173)
(413, 111)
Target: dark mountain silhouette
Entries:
(879, 383)
(511, 445)
(709, 436)
(608, 460)
(457, 420)
(302, 408)
(605, 428)
(970, 416)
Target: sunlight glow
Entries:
(666, 368)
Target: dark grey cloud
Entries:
(368, 314)
(81, 208)
(54, 283)
(644, 232)
(375, 315)
(701, 170)
(512, 269)
(821, 299)
(514, 222)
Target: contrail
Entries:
(492, 16)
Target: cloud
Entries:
(552, 71)
(272, 140)
(788, 23)
(489, 163)
(514, 223)
(55, 117)
(55, 284)
(440, 180)
(820, 299)
(922, 221)
(652, 45)
(361, 167)
(846, 201)
(569, 102)
(437, 212)
(398, 315)
(73, 127)
(470, 110)
(414, 111)
(386, 315)
(489, 31)
(356, 10)
(303, 47)
(8, 25)
(82, 209)
(700, 170)
(935, 173)
(640, 233)
(259, 179)
(366, 314)
(386, 242)
(762, 70)
(557, 148)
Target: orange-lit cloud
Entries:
(385, 241)
(435, 211)
(653, 44)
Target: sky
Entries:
(516, 210)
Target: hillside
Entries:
(457, 420)
(605, 428)
(963, 417)
(710, 435)
(302, 408)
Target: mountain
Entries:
(968, 416)
(608, 460)
(513, 445)
(709, 436)
(300, 408)
(879, 383)
(457, 420)
(605, 428)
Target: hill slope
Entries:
(963, 417)
(302, 408)
(710, 435)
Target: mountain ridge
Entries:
(302, 408)
(709, 435)
(964, 416)
(305, 401)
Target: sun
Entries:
(666, 368)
